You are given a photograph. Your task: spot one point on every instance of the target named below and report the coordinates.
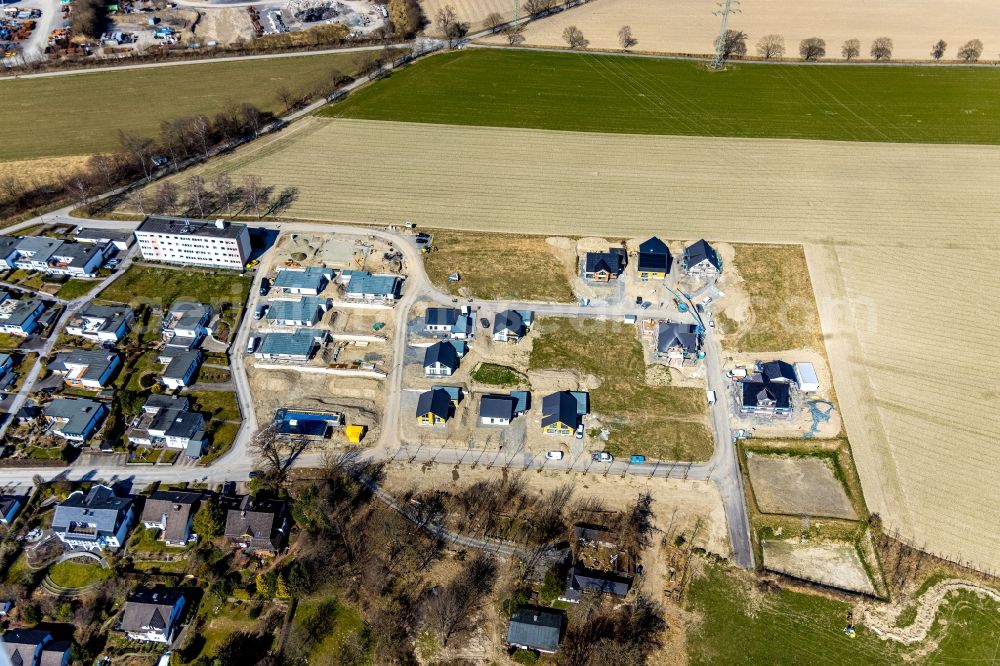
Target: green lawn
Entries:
(331, 622)
(593, 93)
(665, 423)
(76, 574)
(40, 124)
(219, 405)
(160, 287)
(75, 289)
(741, 625)
(498, 375)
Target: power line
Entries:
(726, 8)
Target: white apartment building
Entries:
(194, 242)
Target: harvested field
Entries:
(473, 12)
(879, 221)
(688, 26)
(43, 171)
(798, 485)
(834, 564)
(532, 271)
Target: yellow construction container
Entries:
(354, 433)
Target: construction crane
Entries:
(726, 8)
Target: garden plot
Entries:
(834, 564)
(798, 485)
(690, 26)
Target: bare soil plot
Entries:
(798, 485)
(689, 26)
(498, 267)
(897, 247)
(834, 564)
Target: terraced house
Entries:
(20, 317)
(93, 521)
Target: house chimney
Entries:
(220, 223)
(536, 617)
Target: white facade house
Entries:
(180, 369)
(194, 242)
(94, 521)
(152, 615)
(102, 323)
(186, 323)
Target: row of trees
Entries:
(734, 43)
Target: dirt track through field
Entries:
(881, 618)
(901, 242)
(689, 26)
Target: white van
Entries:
(251, 344)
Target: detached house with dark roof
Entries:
(654, 260)
(93, 521)
(452, 322)
(90, 369)
(765, 398)
(701, 260)
(180, 367)
(434, 407)
(74, 419)
(497, 409)
(20, 317)
(171, 512)
(677, 341)
(562, 412)
(533, 628)
(186, 323)
(307, 281)
(441, 359)
(583, 580)
(23, 647)
(10, 506)
(511, 325)
(259, 525)
(152, 615)
(604, 266)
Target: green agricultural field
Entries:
(741, 624)
(81, 114)
(594, 93)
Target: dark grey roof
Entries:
(560, 407)
(435, 401)
(654, 255)
(180, 363)
(8, 501)
(161, 401)
(307, 308)
(443, 353)
(189, 314)
(177, 423)
(589, 532)
(107, 235)
(497, 407)
(536, 628)
(76, 412)
(380, 285)
(611, 261)
(582, 579)
(313, 277)
(756, 392)
(299, 343)
(7, 245)
(185, 227)
(76, 254)
(148, 609)
(508, 320)
(701, 251)
(441, 317)
(671, 334)
(20, 644)
(778, 371)
(177, 506)
(97, 361)
(100, 506)
(260, 523)
(24, 311)
(54, 653)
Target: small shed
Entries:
(807, 380)
(355, 433)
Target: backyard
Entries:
(76, 574)
(661, 422)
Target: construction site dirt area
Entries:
(690, 26)
(350, 252)
(798, 485)
(834, 564)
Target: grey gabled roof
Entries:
(671, 334)
(441, 317)
(161, 401)
(497, 407)
(261, 520)
(99, 506)
(178, 505)
(189, 314)
(53, 653)
(443, 353)
(537, 628)
(366, 283)
(560, 407)
(177, 423)
(78, 413)
(611, 261)
(148, 609)
(778, 371)
(41, 247)
(435, 401)
(700, 251)
(508, 320)
(582, 579)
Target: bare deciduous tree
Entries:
(449, 25)
(851, 49)
(574, 37)
(881, 48)
(165, 197)
(253, 190)
(195, 188)
(454, 609)
(251, 117)
(771, 46)
(971, 50)
(514, 35)
(626, 38)
(937, 51)
(734, 43)
(201, 127)
(286, 97)
(812, 48)
(494, 21)
(139, 150)
(223, 187)
(535, 7)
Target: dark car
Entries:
(423, 240)
(265, 285)
(259, 312)
(254, 473)
(484, 322)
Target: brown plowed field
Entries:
(901, 241)
(689, 26)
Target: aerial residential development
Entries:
(549, 332)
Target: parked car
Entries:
(260, 311)
(579, 431)
(711, 323)
(484, 322)
(554, 455)
(636, 459)
(251, 344)
(265, 286)
(602, 456)
(254, 473)
(423, 239)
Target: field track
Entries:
(901, 243)
(689, 26)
